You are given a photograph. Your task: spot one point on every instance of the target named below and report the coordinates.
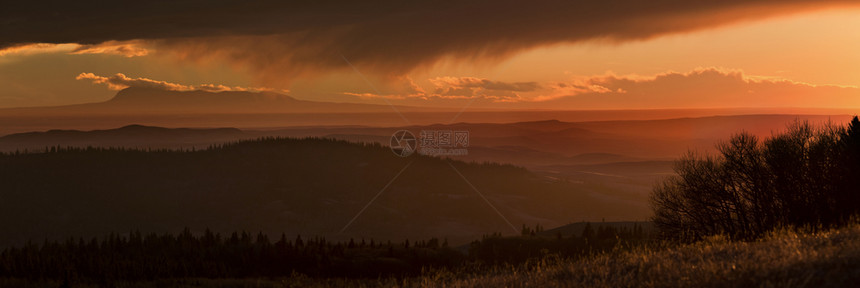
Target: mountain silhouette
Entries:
(141, 100)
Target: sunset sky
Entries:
(482, 54)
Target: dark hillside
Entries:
(298, 186)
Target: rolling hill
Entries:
(131, 136)
(312, 187)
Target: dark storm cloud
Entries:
(284, 37)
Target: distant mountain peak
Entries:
(135, 101)
(145, 94)
(145, 128)
(135, 127)
(153, 100)
(546, 121)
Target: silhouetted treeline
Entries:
(138, 257)
(494, 248)
(805, 177)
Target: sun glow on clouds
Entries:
(452, 88)
(122, 48)
(126, 48)
(806, 59)
(699, 88)
(793, 49)
(37, 48)
(813, 47)
(120, 81)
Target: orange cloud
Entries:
(472, 82)
(119, 81)
(471, 87)
(701, 88)
(29, 49)
(395, 88)
(127, 49)
(456, 88)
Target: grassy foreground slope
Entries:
(782, 259)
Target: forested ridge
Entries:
(306, 186)
(135, 256)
